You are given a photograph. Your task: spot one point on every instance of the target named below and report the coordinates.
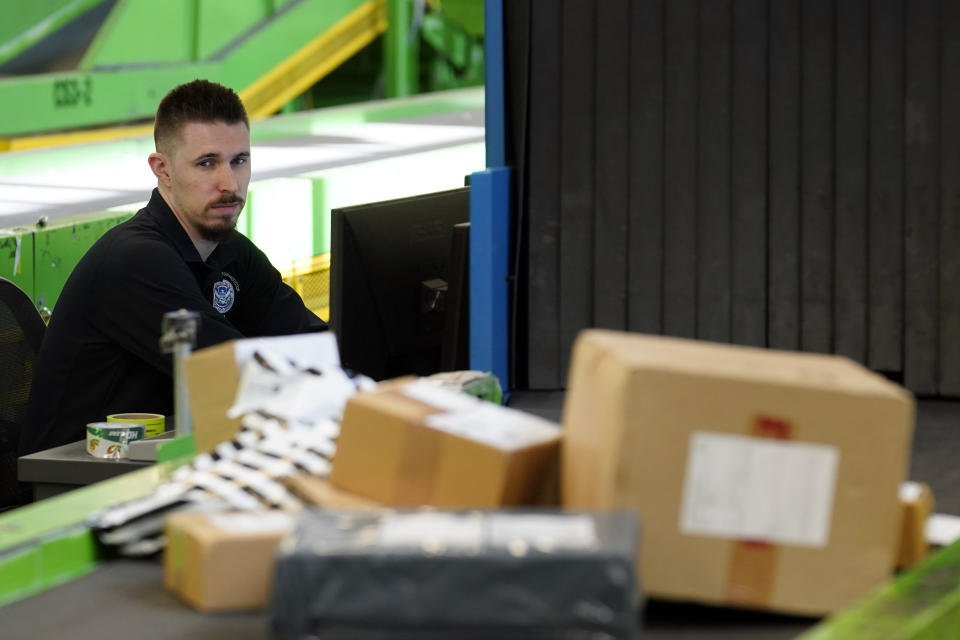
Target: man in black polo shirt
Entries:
(101, 352)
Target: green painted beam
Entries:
(180, 30)
(467, 13)
(48, 543)
(59, 101)
(400, 51)
(24, 24)
(144, 32)
(922, 604)
(130, 92)
(27, 525)
(47, 563)
(261, 51)
(58, 548)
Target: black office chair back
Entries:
(21, 330)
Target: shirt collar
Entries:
(170, 226)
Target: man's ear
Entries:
(160, 165)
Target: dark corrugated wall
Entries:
(781, 173)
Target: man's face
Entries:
(208, 171)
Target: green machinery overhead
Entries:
(270, 52)
(108, 62)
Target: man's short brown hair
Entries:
(197, 101)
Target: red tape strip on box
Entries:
(753, 563)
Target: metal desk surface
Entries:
(68, 467)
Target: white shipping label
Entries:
(543, 531)
(432, 531)
(496, 426)
(440, 397)
(759, 489)
(253, 522)
(306, 349)
(942, 529)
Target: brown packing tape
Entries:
(417, 471)
(752, 573)
(753, 564)
(917, 504)
(419, 458)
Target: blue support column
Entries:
(490, 220)
(489, 268)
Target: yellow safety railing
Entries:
(311, 279)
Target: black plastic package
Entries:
(427, 574)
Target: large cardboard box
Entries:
(213, 375)
(763, 479)
(224, 561)
(416, 444)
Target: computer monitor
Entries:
(392, 265)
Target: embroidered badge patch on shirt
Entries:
(223, 295)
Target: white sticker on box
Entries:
(431, 531)
(496, 426)
(253, 522)
(942, 529)
(910, 491)
(543, 531)
(759, 489)
(306, 349)
(439, 397)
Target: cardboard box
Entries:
(213, 374)
(763, 479)
(223, 561)
(418, 444)
(319, 492)
(212, 378)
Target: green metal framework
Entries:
(922, 604)
(146, 48)
(25, 24)
(271, 51)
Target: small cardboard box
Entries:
(213, 375)
(319, 492)
(223, 561)
(763, 479)
(418, 444)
